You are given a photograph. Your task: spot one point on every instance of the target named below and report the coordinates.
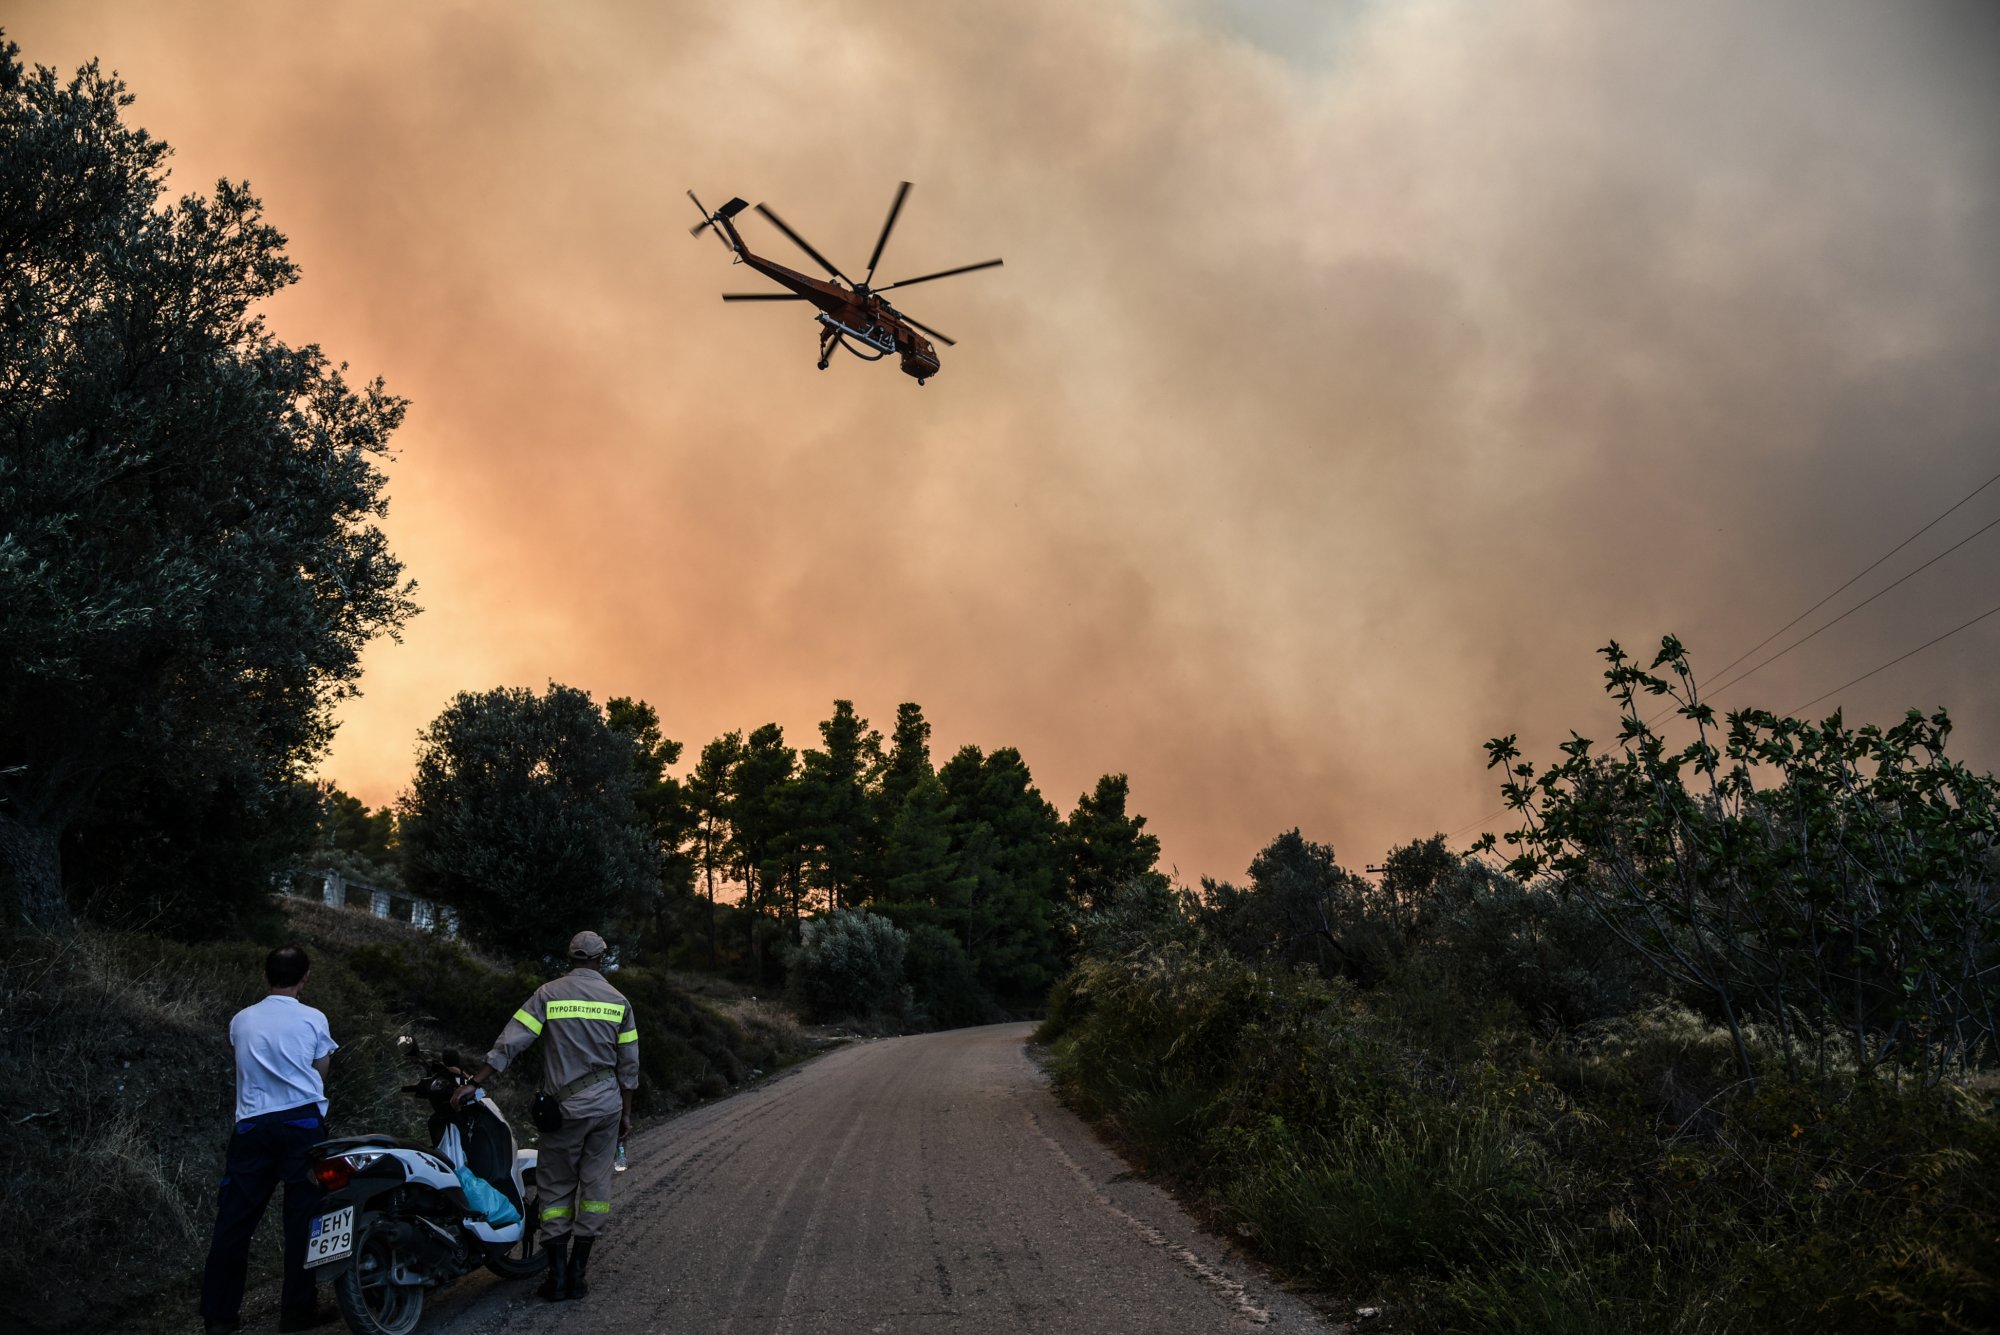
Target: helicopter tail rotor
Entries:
(708, 220)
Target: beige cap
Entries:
(586, 946)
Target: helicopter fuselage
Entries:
(862, 316)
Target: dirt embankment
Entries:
(116, 1089)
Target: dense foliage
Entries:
(1838, 882)
(190, 562)
(1418, 1146)
(1709, 1055)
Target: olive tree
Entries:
(526, 815)
(190, 557)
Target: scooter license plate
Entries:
(331, 1238)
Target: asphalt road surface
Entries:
(925, 1184)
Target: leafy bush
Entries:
(847, 963)
(1496, 938)
(1301, 907)
(1783, 868)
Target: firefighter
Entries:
(590, 1067)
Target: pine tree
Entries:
(1107, 852)
(708, 792)
(1006, 835)
(908, 762)
(763, 831)
(920, 867)
(837, 824)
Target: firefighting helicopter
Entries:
(857, 316)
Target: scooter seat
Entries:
(373, 1141)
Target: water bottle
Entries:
(619, 1164)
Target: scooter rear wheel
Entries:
(524, 1259)
(367, 1294)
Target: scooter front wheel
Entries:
(367, 1292)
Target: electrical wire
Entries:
(1472, 824)
(1991, 611)
(1746, 675)
(1948, 511)
(1851, 583)
(1939, 639)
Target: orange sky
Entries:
(1356, 370)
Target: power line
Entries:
(1899, 658)
(1948, 511)
(1851, 583)
(1744, 676)
(1939, 639)
(1472, 823)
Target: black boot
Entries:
(579, 1261)
(555, 1286)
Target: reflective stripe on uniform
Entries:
(533, 1025)
(597, 1207)
(586, 1010)
(559, 1211)
(629, 1036)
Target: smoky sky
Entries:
(1357, 369)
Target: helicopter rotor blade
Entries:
(947, 273)
(762, 296)
(804, 245)
(902, 193)
(945, 339)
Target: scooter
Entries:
(401, 1219)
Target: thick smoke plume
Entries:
(1356, 369)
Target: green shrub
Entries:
(1619, 1177)
(847, 963)
(1498, 939)
(686, 1051)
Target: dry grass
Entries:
(116, 1088)
(116, 1092)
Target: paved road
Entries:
(921, 1185)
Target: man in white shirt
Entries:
(282, 1051)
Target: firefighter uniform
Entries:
(590, 1053)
